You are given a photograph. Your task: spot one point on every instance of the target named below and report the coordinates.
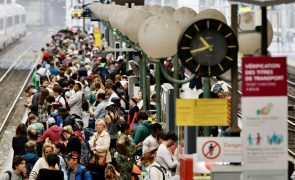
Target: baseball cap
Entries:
(73, 155)
(51, 121)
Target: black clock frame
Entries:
(193, 65)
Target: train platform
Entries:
(96, 114)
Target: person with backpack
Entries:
(31, 155)
(153, 169)
(59, 99)
(42, 75)
(74, 143)
(164, 157)
(18, 172)
(75, 169)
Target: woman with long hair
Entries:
(42, 162)
(43, 107)
(19, 140)
(100, 144)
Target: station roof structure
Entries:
(264, 2)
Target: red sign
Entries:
(211, 150)
(264, 76)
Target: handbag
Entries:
(102, 158)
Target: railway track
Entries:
(15, 78)
(291, 112)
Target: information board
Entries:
(264, 116)
(202, 112)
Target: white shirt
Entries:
(42, 71)
(165, 158)
(149, 144)
(75, 103)
(112, 96)
(140, 104)
(61, 100)
(5, 176)
(223, 86)
(154, 173)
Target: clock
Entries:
(208, 47)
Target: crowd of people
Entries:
(83, 124)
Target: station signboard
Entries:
(202, 112)
(264, 117)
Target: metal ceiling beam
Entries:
(264, 2)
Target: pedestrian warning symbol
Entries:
(211, 149)
(219, 149)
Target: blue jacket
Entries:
(53, 71)
(80, 171)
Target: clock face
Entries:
(208, 47)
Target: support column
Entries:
(176, 85)
(206, 94)
(144, 83)
(263, 31)
(158, 92)
(234, 129)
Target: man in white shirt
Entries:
(42, 72)
(110, 92)
(19, 168)
(75, 101)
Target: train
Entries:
(12, 23)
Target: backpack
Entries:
(86, 153)
(85, 104)
(104, 73)
(70, 120)
(63, 94)
(29, 167)
(162, 169)
(9, 174)
(43, 77)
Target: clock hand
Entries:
(198, 50)
(205, 43)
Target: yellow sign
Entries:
(202, 112)
(201, 178)
(97, 37)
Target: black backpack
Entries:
(162, 169)
(9, 174)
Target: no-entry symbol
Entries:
(211, 149)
